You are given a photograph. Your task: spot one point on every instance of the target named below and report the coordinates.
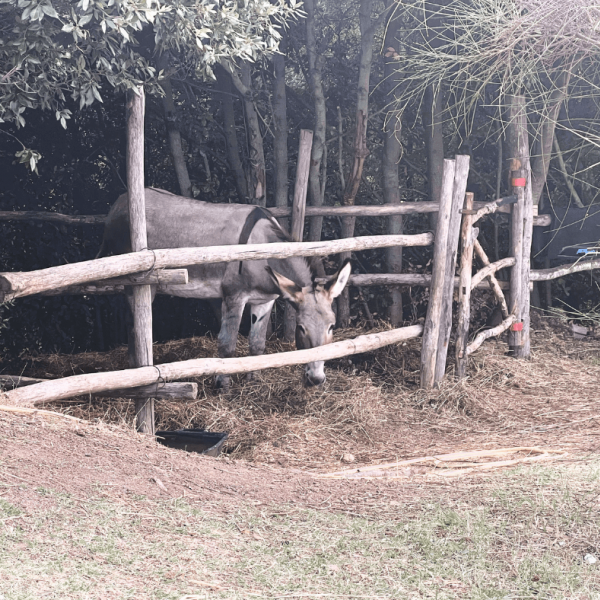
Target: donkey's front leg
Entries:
(232, 309)
(259, 322)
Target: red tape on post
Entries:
(519, 182)
(517, 327)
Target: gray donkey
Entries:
(179, 222)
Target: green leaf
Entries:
(49, 10)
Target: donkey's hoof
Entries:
(222, 382)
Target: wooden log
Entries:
(488, 333)
(141, 303)
(301, 186)
(298, 210)
(16, 285)
(15, 381)
(562, 270)
(494, 283)
(383, 210)
(431, 331)
(458, 198)
(509, 261)
(404, 279)
(516, 251)
(464, 288)
(59, 389)
(165, 391)
(162, 390)
(386, 210)
(162, 278)
(524, 350)
(492, 207)
(51, 217)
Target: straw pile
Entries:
(370, 408)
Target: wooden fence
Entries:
(143, 268)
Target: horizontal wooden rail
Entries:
(556, 272)
(392, 279)
(16, 285)
(385, 210)
(404, 279)
(165, 391)
(68, 387)
(160, 278)
(488, 333)
(377, 210)
(51, 217)
(509, 261)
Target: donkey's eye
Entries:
(302, 329)
(330, 330)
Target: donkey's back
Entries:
(178, 222)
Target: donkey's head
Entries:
(315, 318)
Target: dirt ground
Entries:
(370, 409)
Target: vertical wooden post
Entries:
(522, 226)
(464, 288)
(142, 295)
(298, 212)
(301, 185)
(516, 275)
(461, 176)
(431, 331)
(524, 350)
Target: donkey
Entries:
(177, 222)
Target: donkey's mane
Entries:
(283, 236)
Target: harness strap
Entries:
(251, 220)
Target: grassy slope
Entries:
(521, 534)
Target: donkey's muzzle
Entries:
(312, 380)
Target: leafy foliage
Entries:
(49, 51)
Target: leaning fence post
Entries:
(298, 211)
(431, 330)
(467, 240)
(461, 176)
(142, 295)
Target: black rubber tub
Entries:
(193, 440)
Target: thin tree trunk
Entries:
(543, 147)
(367, 34)
(233, 148)
(315, 187)
(258, 177)
(280, 148)
(434, 143)
(392, 151)
(173, 135)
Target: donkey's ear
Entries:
(338, 282)
(289, 290)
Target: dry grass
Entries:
(371, 405)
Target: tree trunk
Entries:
(545, 139)
(392, 150)
(280, 128)
(233, 149)
(367, 34)
(434, 143)
(258, 177)
(173, 135)
(315, 61)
